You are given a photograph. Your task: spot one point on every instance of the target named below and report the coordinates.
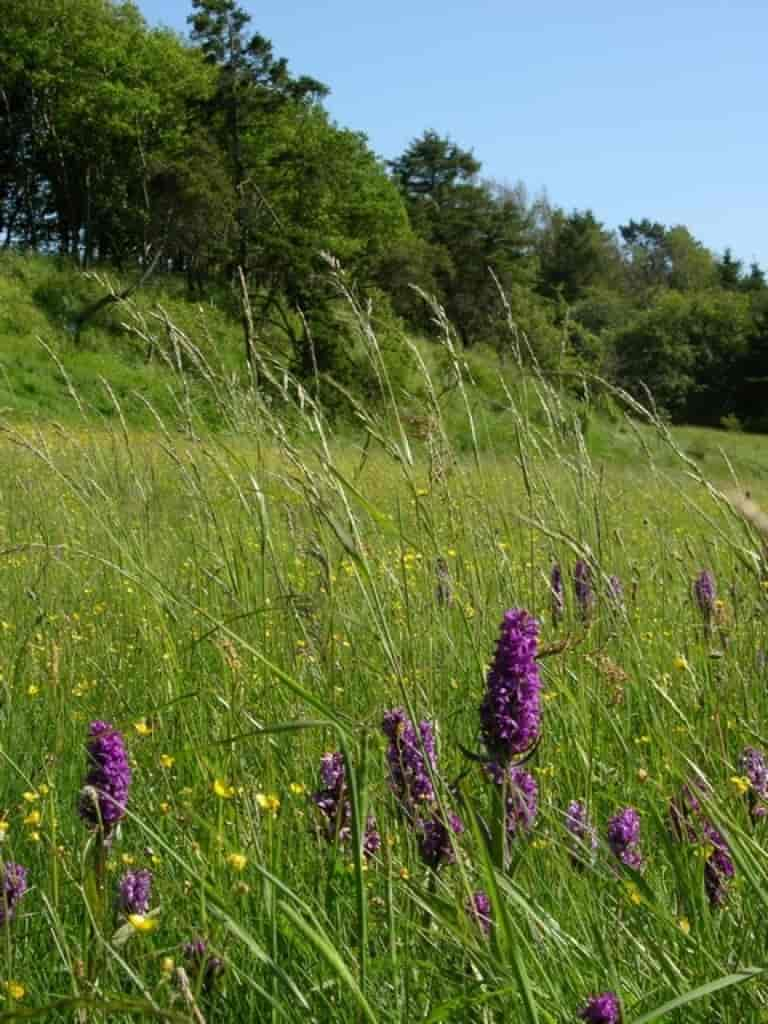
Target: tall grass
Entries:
(238, 603)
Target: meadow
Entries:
(241, 604)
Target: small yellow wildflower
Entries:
(740, 783)
(642, 775)
(633, 893)
(43, 789)
(4, 826)
(404, 874)
(142, 727)
(684, 925)
(142, 923)
(127, 859)
(33, 818)
(166, 761)
(30, 796)
(268, 802)
(34, 837)
(297, 788)
(167, 965)
(165, 807)
(222, 790)
(15, 989)
(237, 861)
(32, 690)
(680, 662)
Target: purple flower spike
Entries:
(134, 892)
(753, 765)
(435, 844)
(333, 803)
(510, 715)
(479, 909)
(200, 962)
(686, 817)
(332, 770)
(582, 586)
(411, 755)
(104, 795)
(14, 885)
(557, 593)
(602, 1009)
(371, 838)
(584, 834)
(522, 797)
(718, 871)
(624, 837)
(704, 591)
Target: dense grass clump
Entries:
(330, 810)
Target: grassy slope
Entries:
(40, 295)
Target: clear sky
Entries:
(633, 109)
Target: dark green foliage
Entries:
(686, 349)
(575, 253)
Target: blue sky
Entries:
(631, 109)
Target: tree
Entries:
(91, 97)
(691, 266)
(646, 256)
(476, 230)
(575, 253)
(755, 280)
(428, 174)
(687, 348)
(729, 271)
(251, 81)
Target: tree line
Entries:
(128, 145)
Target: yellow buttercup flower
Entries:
(633, 893)
(142, 923)
(297, 789)
(30, 796)
(268, 802)
(167, 965)
(684, 925)
(33, 818)
(740, 783)
(222, 790)
(142, 727)
(15, 989)
(166, 761)
(680, 662)
(237, 861)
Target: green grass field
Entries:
(238, 603)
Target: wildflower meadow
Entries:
(302, 722)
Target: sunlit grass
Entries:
(237, 604)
